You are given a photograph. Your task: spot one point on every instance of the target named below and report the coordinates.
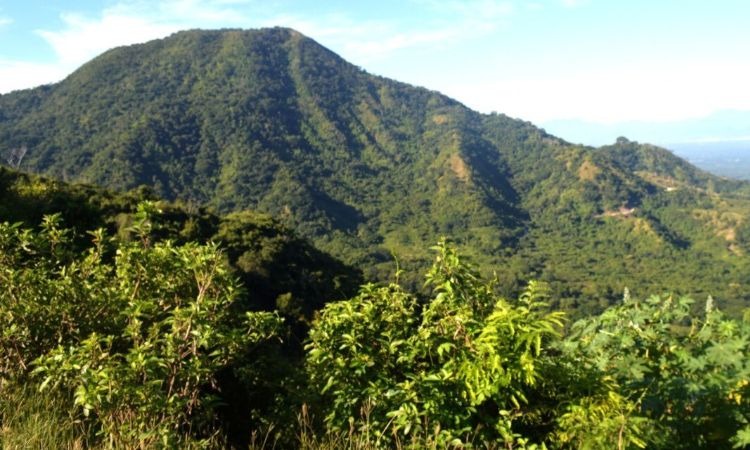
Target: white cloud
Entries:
(673, 91)
(336, 27)
(485, 9)
(533, 6)
(4, 20)
(616, 94)
(202, 12)
(573, 3)
(83, 38)
(359, 41)
(365, 41)
(16, 75)
(233, 2)
(380, 48)
(132, 22)
(471, 17)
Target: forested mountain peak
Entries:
(371, 168)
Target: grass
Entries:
(31, 420)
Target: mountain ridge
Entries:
(368, 167)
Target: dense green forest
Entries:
(372, 170)
(237, 239)
(164, 328)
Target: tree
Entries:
(455, 367)
(684, 375)
(135, 332)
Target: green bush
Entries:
(457, 366)
(134, 333)
(687, 375)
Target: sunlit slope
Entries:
(370, 168)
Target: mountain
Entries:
(371, 169)
(282, 270)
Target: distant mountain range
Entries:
(719, 143)
(719, 127)
(725, 158)
(371, 169)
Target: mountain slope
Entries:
(272, 262)
(369, 168)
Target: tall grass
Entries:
(29, 419)
(33, 420)
(360, 435)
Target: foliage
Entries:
(608, 420)
(460, 363)
(265, 254)
(144, 342)
(283, 271)
(464, 367)
(684, 375)
(137, 341)
(43, 280)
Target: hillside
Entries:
(370, 168)
(269, 259)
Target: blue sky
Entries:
(569, 65)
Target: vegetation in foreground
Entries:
(140, 342)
